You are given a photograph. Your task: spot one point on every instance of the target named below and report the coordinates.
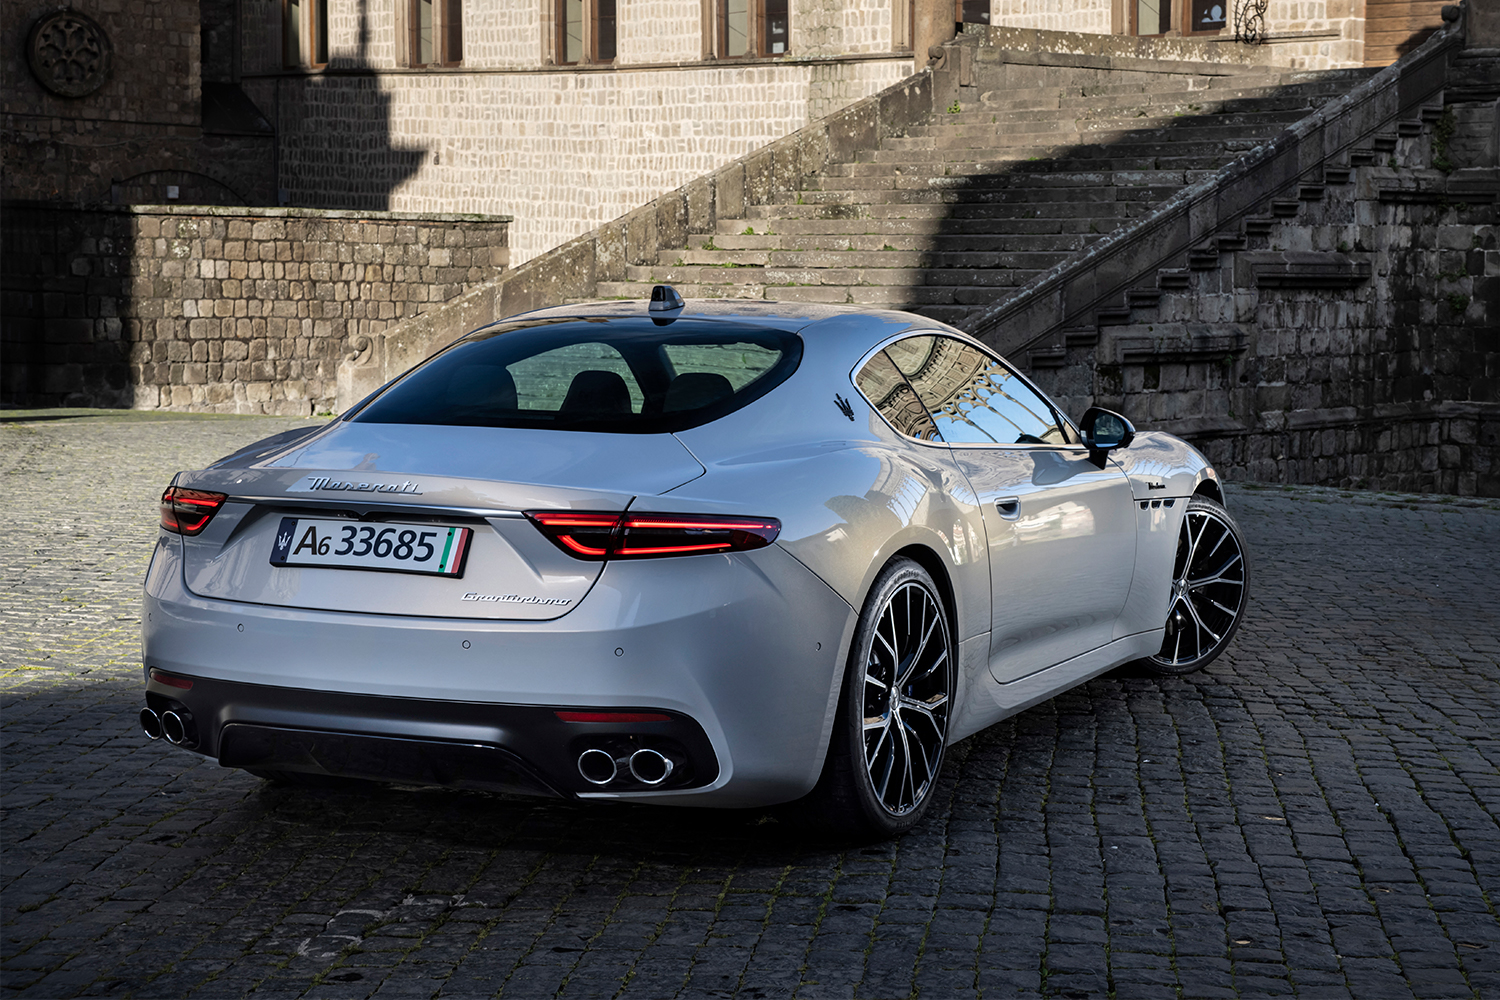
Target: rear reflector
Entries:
(187, 512)
(648, 536)
(613, 717)
(177, 682)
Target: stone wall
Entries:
(1333, 313)
(1301, 34)
(238, 311)
(140, 130)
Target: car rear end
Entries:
(450, 586)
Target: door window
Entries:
(972, 397)
(882, 384)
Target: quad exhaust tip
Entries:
(150, 724)
(597, 766)
(649, 767)
(177, 727)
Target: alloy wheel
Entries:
(1208, 590)
(906, 698)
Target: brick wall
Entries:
(245, 311)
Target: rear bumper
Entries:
(744, 652)
(505, 748)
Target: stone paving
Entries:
(1315, 815)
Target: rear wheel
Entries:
(892, 724)
(1210, 581)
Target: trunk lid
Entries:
(424, 478)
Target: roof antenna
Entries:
(664, 298)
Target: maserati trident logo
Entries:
(312, 484)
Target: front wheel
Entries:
(1210, 583)
(892, 724)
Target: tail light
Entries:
(187, 512)
(649, 536)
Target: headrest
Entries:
(484, 387)
(693, 390)
(596, 393)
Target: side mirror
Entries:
(1103, 431)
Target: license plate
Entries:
(401, 548)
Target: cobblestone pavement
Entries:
(1315, 815)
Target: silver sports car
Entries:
(725, 553)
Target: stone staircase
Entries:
(992, 192)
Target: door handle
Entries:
(1009, 507)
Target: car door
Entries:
(1060, 529)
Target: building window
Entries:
(1208, 15)
(434, 33)
(304, 33)
(586, 31)
(1188, 17)
(753, 28)
(1153, 17)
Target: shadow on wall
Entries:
(72, 331)
(336, 149)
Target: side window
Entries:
(889, 393)
(972, 397)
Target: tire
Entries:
(1210, 586)
(886, 752)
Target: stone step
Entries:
(1207, 156)
(1165, 127)
(1102, 218)
(1158, 106)
(1075, 157)
(896, 296)
(904, 277)
(687, 289)
(882, 176)
(990, 191)
(1034, 260)
(1017, 209)
(747, 249)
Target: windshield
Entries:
(628, 375)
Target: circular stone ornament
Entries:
(69, 53)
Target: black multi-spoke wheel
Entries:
(1210, 581)
(892, 725)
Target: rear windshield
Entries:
(631, 375)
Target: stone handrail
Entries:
(1071, 293)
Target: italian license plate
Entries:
(401, 548)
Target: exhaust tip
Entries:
(650, 767)
(150, 724)
(174, 727)
(596, 766)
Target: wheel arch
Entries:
(933, 563)
(1210, 488)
